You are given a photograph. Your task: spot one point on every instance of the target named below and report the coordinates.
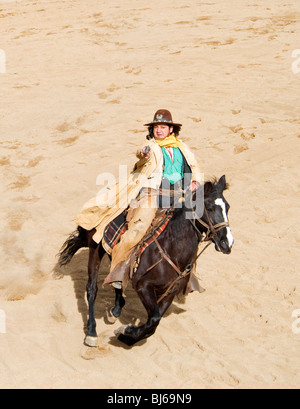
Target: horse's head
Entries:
(216, 213)
(214, 220)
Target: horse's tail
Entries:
(76, 241)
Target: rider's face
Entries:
(162, 131)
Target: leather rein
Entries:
(212, 231)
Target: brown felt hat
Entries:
(163, 117)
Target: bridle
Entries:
(209, 236)
(212, 229)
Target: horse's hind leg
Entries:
(116, 311)
(95, 256)
(131, 334)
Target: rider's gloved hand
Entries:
(194, 186)
(145, 152)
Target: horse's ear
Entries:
(222, 183)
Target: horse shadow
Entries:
(133, 311)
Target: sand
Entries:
(82, 77)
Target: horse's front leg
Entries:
(115, 312)
(92, 290)
(131, 334)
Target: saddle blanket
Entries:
(115, 230)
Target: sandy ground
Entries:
(82, 77)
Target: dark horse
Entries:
(165, 266)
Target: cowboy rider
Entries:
(165, 162)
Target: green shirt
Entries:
(173, 171)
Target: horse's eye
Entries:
(210, 208)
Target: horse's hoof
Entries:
(120, 331)
(110, 317)
(91, 341)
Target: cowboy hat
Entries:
(163, 117)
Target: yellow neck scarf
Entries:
(169, 142)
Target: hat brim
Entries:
(163, 123)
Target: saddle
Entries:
(114, 231)
(158, 226)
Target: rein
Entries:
(212, 231)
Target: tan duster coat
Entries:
(101, 210)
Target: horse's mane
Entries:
(211, 190)
(210, 186)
